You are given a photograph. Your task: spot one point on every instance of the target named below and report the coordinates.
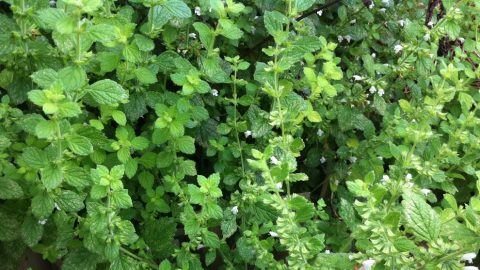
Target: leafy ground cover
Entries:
(255, 134)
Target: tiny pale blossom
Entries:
(57, 207)
(430, 23)
(386, 2)
(340, 38)
(461, 40)
(372, 5)
(385, 179)
(425, 191)
(348, 38)
(380, 158)
(374, 55)
(323, 160)
(327, 251)
(470, 268)
(247, 133)
(52, 2)
(398, 48)
(357, 78)
(320, 12)
(273, 234)
(200, 246)
(42, 221)
(184, 52)
(320, 133)
(426, 37)
(350, 257)
(367, 265)
(354, 21)
(408, 177)
(401, 23)
(468, 257)
(279, 185)
(353, 159)
(215, 92)
(383, 10)
(192, 35)
(381, 92)
(372, 89)
(274, 160)
(198, 11)
(234, 210)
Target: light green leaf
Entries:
(121, 199)
(145, 75)
(177, 8)
(119, 117)
(79, 145)
(70, 201)
(229, 29)
(9, 189)
(44, 77)
(32, 231)
(107, 92)
(186, 144)
(51, 177)
(35, 158)
(42, 205)
(420, 217)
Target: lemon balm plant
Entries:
(209, 134)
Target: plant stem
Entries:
(235, 123)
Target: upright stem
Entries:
(235, 123)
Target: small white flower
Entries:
(198, 11)
(57, 207)
(430, 23)
(374, 55)
(215, 92)
(320, 133)
(461, 40)
(385, 179)
(327, 251)
(337, 182)
(372, 90)
(386, 2)
(398, 48)
(353, 159)
(425, 191)
(468, 257)
(426, 37)
(348, 38)
(354, 21)
(274, 160)
(273, 234)
(279, 185)
(381, 92)
(380, 158)
(256, 17)
(323, 160)
(247, 133)
(350, 257)
(408, 177)
(367, 265)
(200, 246)
(253, 29)
(383, 10)
(470, 268)
(401, 22)
(192, 35)
(368, 102)
(184, 52)
(414, 121)
(340, 38)
(320, 12)
(234, 210)
(52, 2)
(42, 221)
(357, 78)
(372, 5)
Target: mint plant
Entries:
(293, 134)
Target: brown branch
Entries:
(324, 6)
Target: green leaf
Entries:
(80, 259)
(274, 22)
(72, 78)
(211, 239)
(186, 144)
(70, 201)
(177, 8)
(44, 77)
(123, 263)
(165, 265)
(420, 217)
(331, 71)
(42, 205)
(31, 231)
(79, 145)
(145, 75)
(107, 92)
(119, 117)
(45, 129)
(121, 199)
(9, 189)
(76, 176)
(140, 143)
(302, 5)
(205, 33)
(229, 29)
(51, 177)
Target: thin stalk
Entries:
(138, 258)
(235, 122)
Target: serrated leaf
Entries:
(186, 144)
(177, 8)
(9, 189)
(420, 217)
(79, 145)
(70, 201)
(107, 92)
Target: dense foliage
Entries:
(256, 134)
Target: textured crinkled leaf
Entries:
(420, 217)
(10, 189)
(107, 92)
